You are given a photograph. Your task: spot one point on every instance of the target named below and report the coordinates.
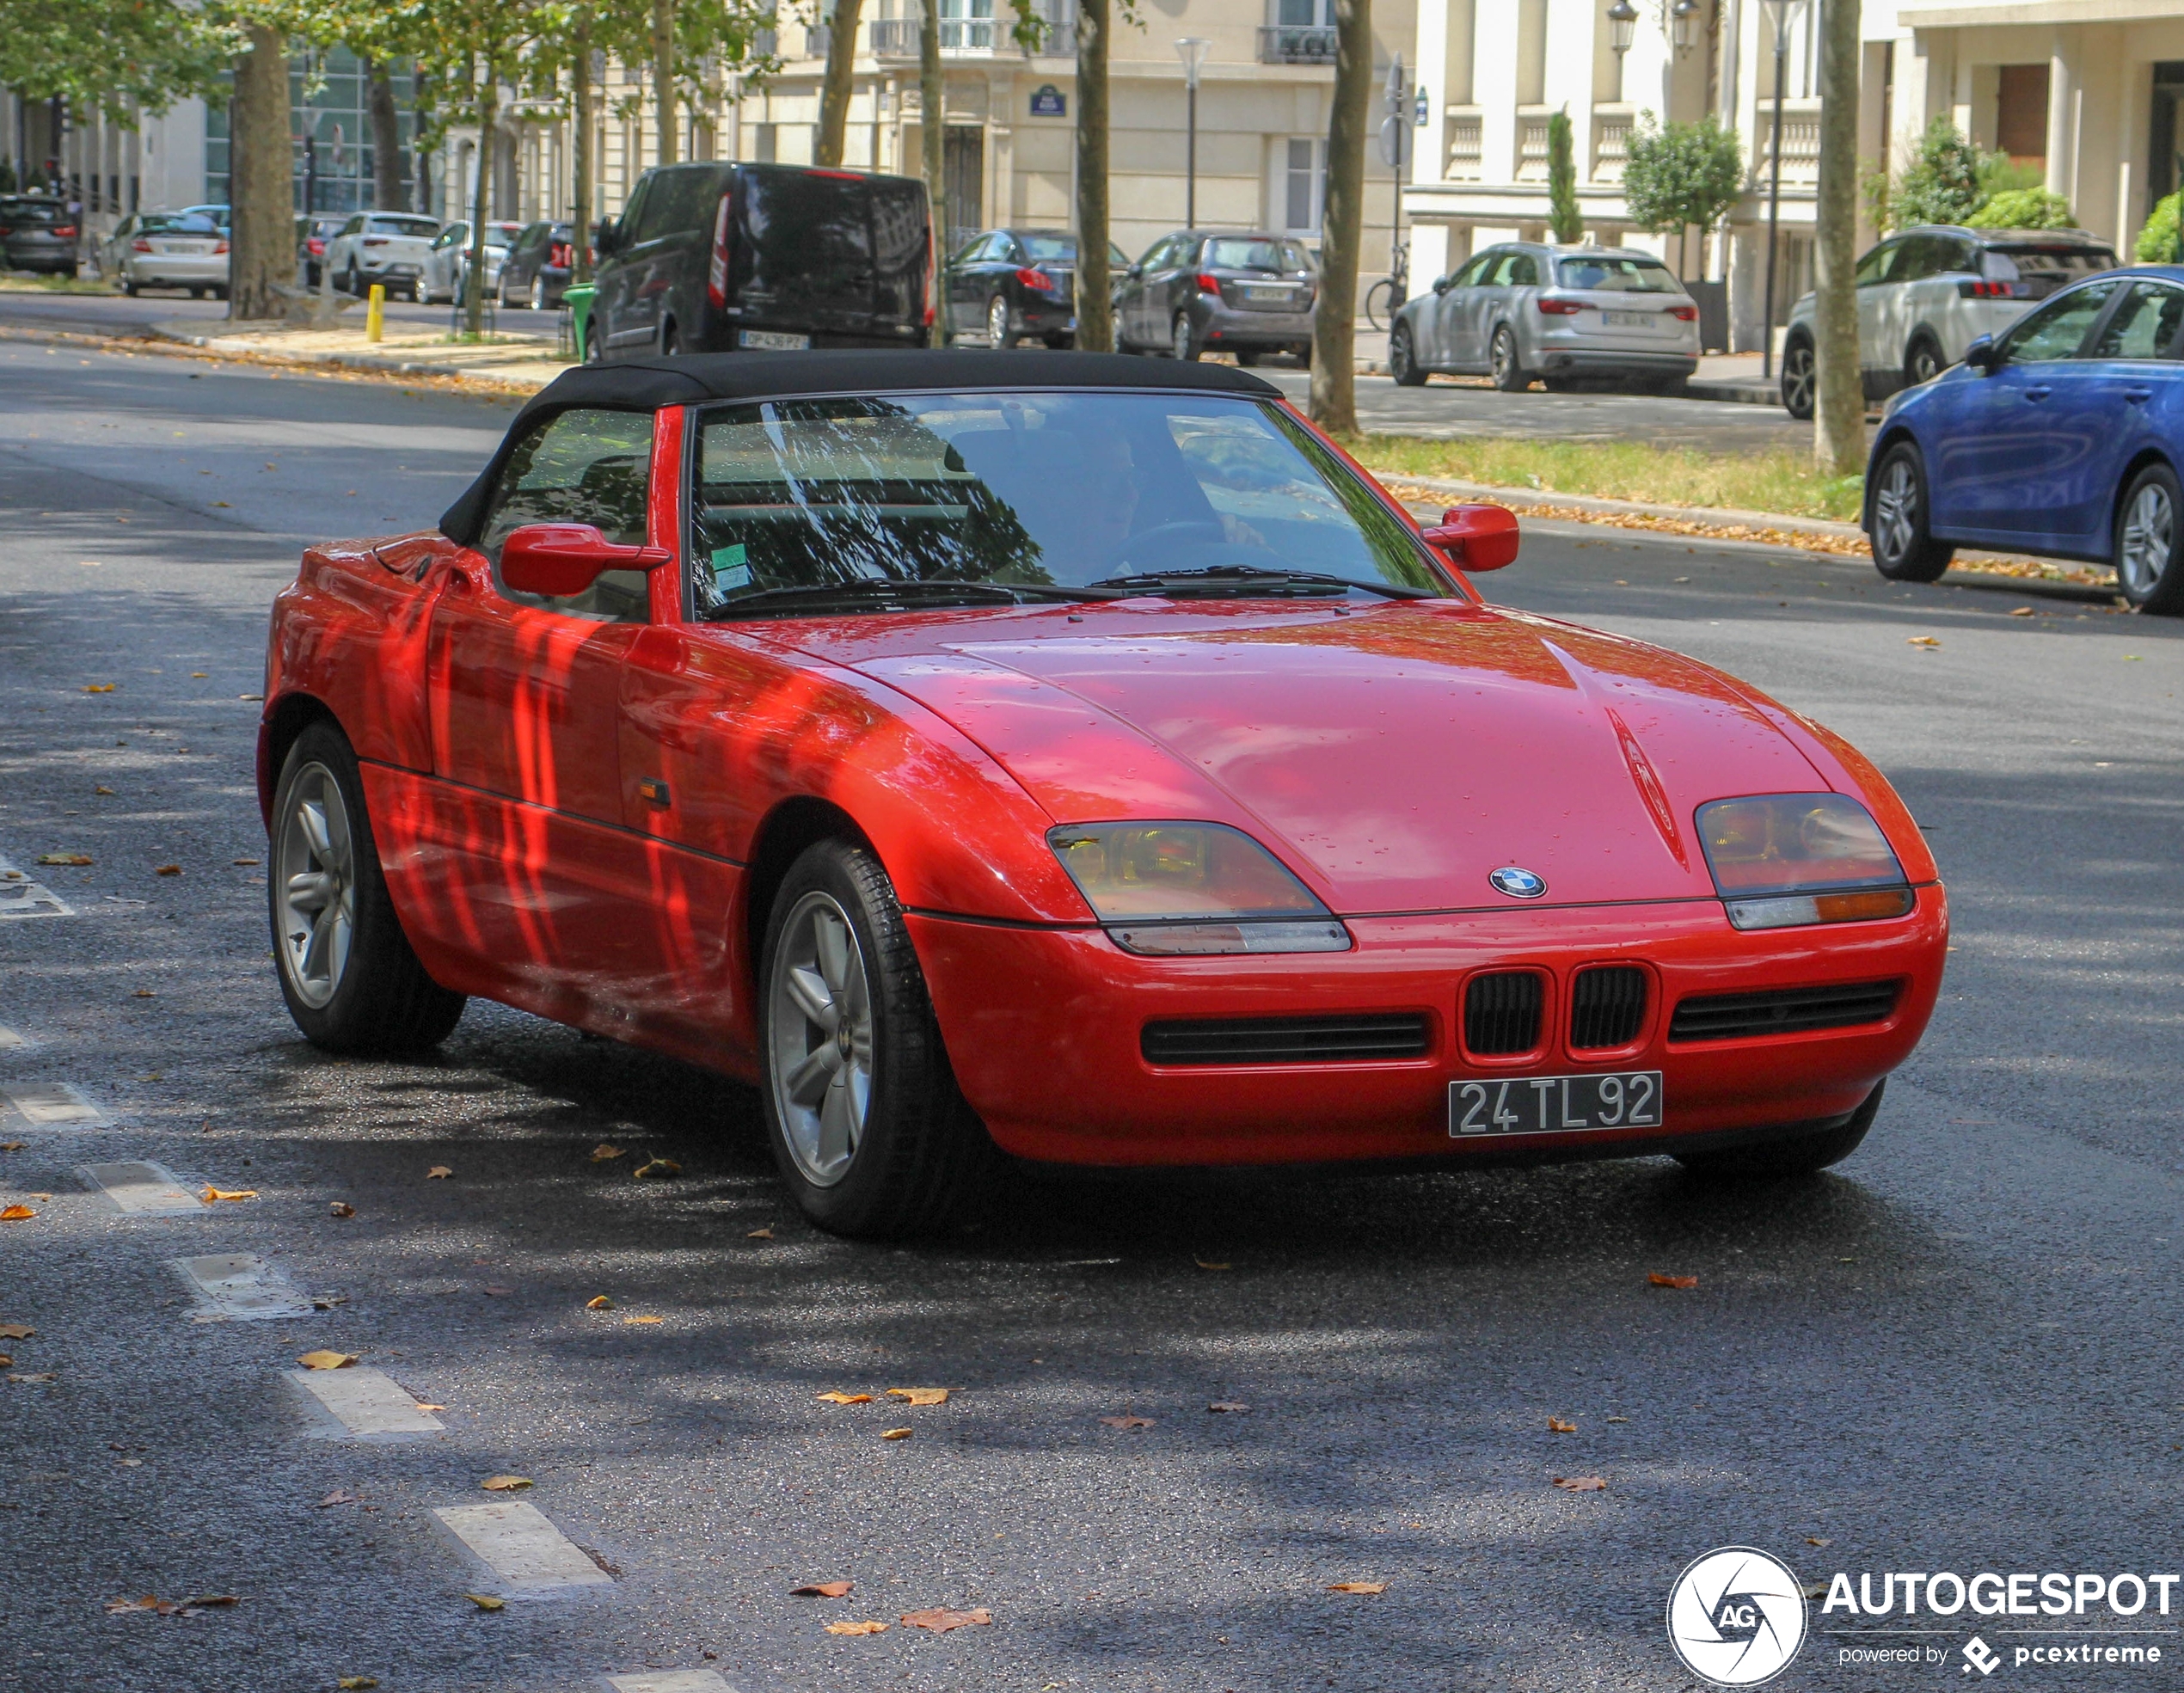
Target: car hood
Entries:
(1393, 757)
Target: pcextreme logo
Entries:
(1736, 1616)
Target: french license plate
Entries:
(189, 247)
(1282, 297)
(401, 270)
(1629, 320)
(1531, 1105)
(772, 340)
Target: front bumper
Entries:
(1044, 1028)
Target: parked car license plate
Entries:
(772, 340)
(1284, 297)
(1630, 320)
(1530, 1105)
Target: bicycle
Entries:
(1386, 297)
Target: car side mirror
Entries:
(1982, 355)
(559, 559)
(1442, 284)
(1136, 272)
(1473, 537)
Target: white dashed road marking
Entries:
(365, 1402)
(20, 897)
(141, 1189)
(49, 1105)
(521, 1546)
(670, 1681)
(11, 1042)
(241, 1285)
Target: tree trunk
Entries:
(841, 61)
(390, 191)
(580, 142)
(262, 176)
(482, 198)
(1839, 411)
(1334, 396)
(1094, 287)
(932, 127)
(663, 75)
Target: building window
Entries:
(1303, 185)
(1303, 14)
(765, 138)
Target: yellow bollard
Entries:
(375, 313)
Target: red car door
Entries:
(548, 892)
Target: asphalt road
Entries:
(1958, 1352)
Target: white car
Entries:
(385, 247)
(1925, 294)
(168, 249)
(442, 278)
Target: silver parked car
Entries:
(442, 277)
(385, 247)
(1926, 294)
(1526, 311)
(168, 249)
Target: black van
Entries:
(715, 257)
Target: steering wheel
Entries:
(1161, 535)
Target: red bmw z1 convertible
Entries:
(1071, 755)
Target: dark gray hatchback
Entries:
(724, 258)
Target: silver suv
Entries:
(1926, 294)
(1527, 311)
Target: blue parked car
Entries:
(2061, 437)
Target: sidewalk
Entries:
(521, 363)
(1734, 376)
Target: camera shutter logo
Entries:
(1736, 1616)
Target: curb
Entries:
(1723, 517)
(237, 346)
(1734, 390)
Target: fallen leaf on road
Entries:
(424, 1406)
(337, 1497)
(343, 1208)
(847, 1398)
(324, 1359)
(357, 1683)
(100, 687)
(1127, 1423)
(12, 1145)
(169, 870)
(47, 1376)
(438, 1173)
(509, 1484)
(601, 1304)
(5, 1360)
(1618, 1419)
(658, 1166)
(1357, 1586)
(894, 1434)
(206, 1600)
(214, 1195)
(821, 1589)
(1927, 640)
(1659, 1280)
(1203, 1265)
(121, 1607)
(498, 1292)
(146, 993)
(485, 1601)
(126, 1463)
(108, 791)
(1229, 1405)
(920, 1396)
(15, 1331)
(244, 861)
(940, 1621)
(647, 1320)
(1582, 1484)
(17, 1214)
(1557, 1425)
(2022, 611)
(857, 1628)
(606, 1151)
(759, 1235)
(1815, 1540)
(64, 858)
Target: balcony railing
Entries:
(1531, 146)
(1800, 141)
(1611, 126)
(899, 38)
(1467, 147)
(1296, 43)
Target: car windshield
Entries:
(416, 229)
(1617, 275)
(1061, 249)
(1238, 252)
(1031, 491)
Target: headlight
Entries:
(1781, 860)
(1178, 888)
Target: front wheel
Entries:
(1799, 381)
(1509, 376)
(538, 293)
(999, 336)
(867, 1125)
(351, 980)
(1904, 548)
(1801, 1154)
(2147, 568)
(1402, 358)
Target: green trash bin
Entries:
(578, 298)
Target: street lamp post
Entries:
(1623, 23)
(1191, 49)
(1778, 14)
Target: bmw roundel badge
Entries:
(1518, 884)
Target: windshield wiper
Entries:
(1225, 575)
(865, 591)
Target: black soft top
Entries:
(647, 384)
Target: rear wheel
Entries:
(351, 980)
(1246, 357)
(1801, 1154)
(1798, 379)
(1903, 549)
(867, 1126)
(1924, 362)
(2147, 567)
(1402, 358)
(538, 293)
(670, 342)
(1509, 376)
(999, 336)
(1182, 341)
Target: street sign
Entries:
(1049, 102)
(1395, 142)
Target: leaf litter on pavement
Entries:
(920, 1396)
(1357, 1586)
(504, 1484)
(326, 1358)
(857, 1628)
(941, 1620)
(840, 1398)
(821, 1589)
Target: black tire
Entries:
(918, 1153)
(1304, 356)
(1402, 358)
(999, 336)
(1904, 549)
(2148, 571)
(591, 354)
(1923, 361)
(220, 292)
(353, 283)
(1060, 343)
(1509, 376)
(1800, 380)
(1183, 340)
(670, 342)
(376, 997)
(130, 286)
(1800, 1155)
(1246, 357)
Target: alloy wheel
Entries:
(1504, 355)
(997, 322)
(1179, 342)
(1895, 510)
(1925, 363)
(820, 1023)
(1797, 381)
(538, 293)
(2149, 535)
(1399, 353)
(314, 869)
